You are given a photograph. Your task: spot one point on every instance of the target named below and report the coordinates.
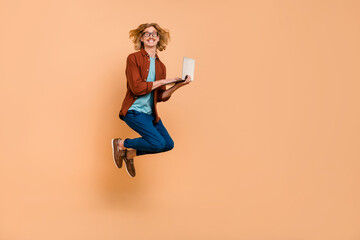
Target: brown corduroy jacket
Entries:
(137, 70)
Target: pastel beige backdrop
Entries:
(266, 137)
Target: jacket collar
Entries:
(144, 53)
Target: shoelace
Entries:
(131, 160)
(122, 153)
(129, 164)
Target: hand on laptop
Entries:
(187, 81)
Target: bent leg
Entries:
(151, 140)
(169, 143)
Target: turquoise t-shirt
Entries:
(144, 103)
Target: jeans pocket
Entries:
(128, 114)
(132, 114)
(136, 113)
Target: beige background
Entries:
(266, 137)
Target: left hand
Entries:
(187, 81)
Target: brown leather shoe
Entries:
(118, 154)
(129, 164)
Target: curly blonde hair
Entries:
(135, 35)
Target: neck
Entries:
(151, 51)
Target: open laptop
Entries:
(187, 69)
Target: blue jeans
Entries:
(154, 137)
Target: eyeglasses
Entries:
(147, 34)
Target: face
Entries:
(150, 41)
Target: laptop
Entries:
(187, 69)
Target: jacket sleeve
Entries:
(162, 89)
(137, 85)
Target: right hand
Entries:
(187, 81)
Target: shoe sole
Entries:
(112, 146)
